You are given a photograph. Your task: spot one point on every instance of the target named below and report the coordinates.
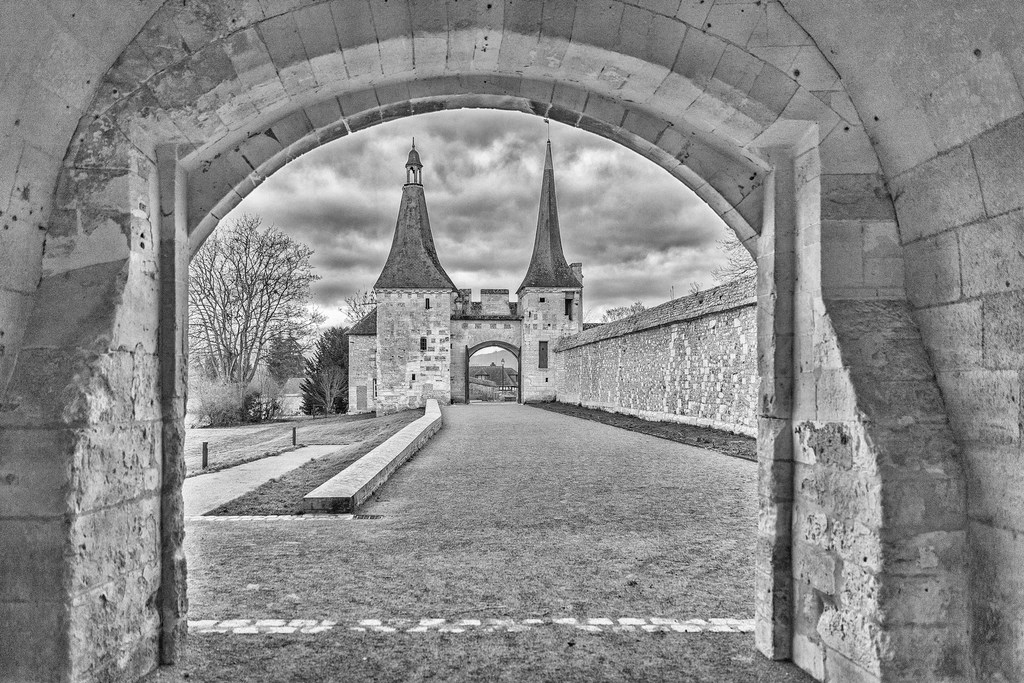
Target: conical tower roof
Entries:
(548, 267)
(412, 262)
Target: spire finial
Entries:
(547, 123)
(414, 142)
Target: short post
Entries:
(206, 454)
(293, 436)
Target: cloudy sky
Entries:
(638, 231)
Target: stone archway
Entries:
(178, 132)
(514, 350)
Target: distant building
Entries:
(416, 344)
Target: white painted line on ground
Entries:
(592, 625)
(270, 518)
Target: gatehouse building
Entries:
(416, 344)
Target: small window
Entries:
(375, 387)
(542, 352)
(427, 303)
(414, 377)
(423, 343)
(542, 299)
(568, 308)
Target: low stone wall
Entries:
(691, 360)
(347, 490)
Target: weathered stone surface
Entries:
(691, 360)
(924, 77)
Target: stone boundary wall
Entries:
(691, 360)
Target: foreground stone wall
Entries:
(692, 360)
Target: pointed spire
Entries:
(548, 267)
(412, 262)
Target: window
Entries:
(568, 308)
(375, 387)
(414, 377)
(428, 303)
(423, 343)
(542, 360)
(542, 299)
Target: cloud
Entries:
(638, 231)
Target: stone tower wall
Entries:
(692, 360)
(362, 373)
(407, 375)
(545, 321)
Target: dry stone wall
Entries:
(692, 360)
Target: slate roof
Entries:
(412, 262)
(368, 325)
(548, 267)
(493, 373)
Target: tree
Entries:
(738, 262)
(247, 286)
(620, 312)
(325, 386)
(356, 307)
(285, 358)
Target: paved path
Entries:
(204, 492)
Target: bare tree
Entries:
(738, 260)
(356, 306)
(247, 285)
(620, 312)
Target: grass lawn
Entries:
(704, 437)
(283, 496)
(230, 446)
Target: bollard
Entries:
(206, 454)
(293, 436)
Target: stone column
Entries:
(172, 350)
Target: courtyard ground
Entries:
(509, 513)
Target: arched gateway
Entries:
(468, 352)
(415, 345)
(874, 179)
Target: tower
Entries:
(414, 306)
(550, 297)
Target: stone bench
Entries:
(350, 488)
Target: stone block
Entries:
(809, 656)
(939, 194)
(815, 567)
(1002, 329)
(99, 554)
(698, 57)
(983, 95)
(30, 559)
(992, 255)
(933, 270)
(953, 334)
(857, 196)
(1000, 170)
(983, 405)
(735, 22)
(997, 614)
(35, 638)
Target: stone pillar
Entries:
(773, 631)
(173, 353)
